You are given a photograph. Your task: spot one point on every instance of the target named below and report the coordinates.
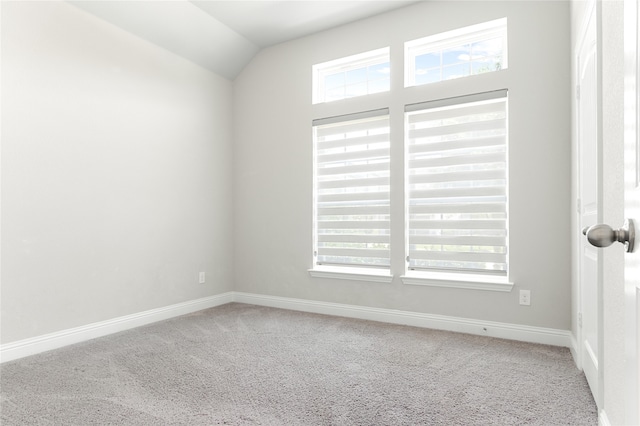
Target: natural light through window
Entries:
(460, 53)
(352, 198)
(356, 75)
(454, 210)
(457, 184)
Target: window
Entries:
(356, 75)
(454, 214)
(467, 51)
(457, 184)
(352, 204)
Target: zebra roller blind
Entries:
(352, 190)
(457, 184)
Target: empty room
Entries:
(320, 212)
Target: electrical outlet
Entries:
(525, 297)
(201, 278)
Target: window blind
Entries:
(352, 190)
(457, 184)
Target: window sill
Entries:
(356, 274)
(453, 280)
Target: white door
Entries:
(632, 209)
(590, 211)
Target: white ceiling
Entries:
(223, 35)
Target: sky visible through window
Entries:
(467, 51)
(460, 61)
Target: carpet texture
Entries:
(247, 365)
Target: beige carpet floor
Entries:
(247, 365)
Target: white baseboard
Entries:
(603, 420)
(523, 333)
(47, 342)
(35, 345)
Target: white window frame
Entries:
(450, 39)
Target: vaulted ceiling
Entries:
(224, 35)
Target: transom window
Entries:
(355, 75)
(463, 52)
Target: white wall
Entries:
(116, 171)
(117, 162)
(273, 161)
